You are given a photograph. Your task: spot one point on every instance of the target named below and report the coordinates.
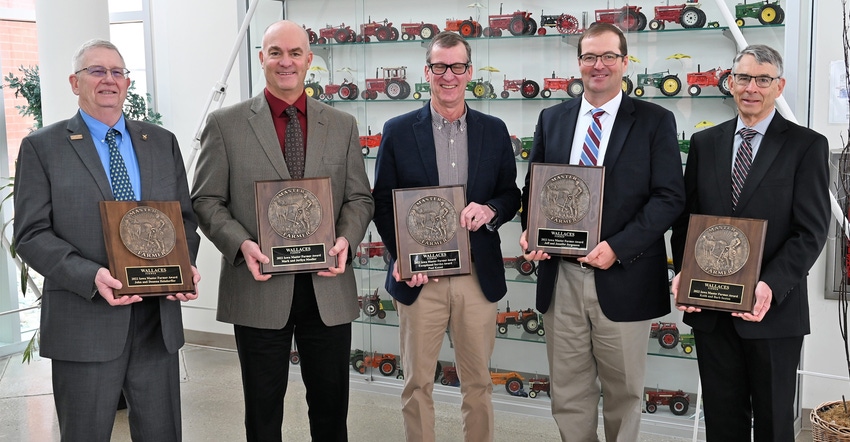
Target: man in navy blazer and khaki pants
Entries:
(446, 143)
(99, 344)
(597, 308)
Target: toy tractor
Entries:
(572, 86)
(511, 380)
(518, 23)
(767, 12)
(450, 377)
(371, 305)
(678, 401)
(478, 86)
(341, 34)
(386, 363)
(668, 84)
(383, 31)
(312, 37)
(425, 31)
(627, 18)
(716, 77)
(370, 142)
(688, 342)
(538, 385)
(667, 334)
(345, 91)
(684, 147)
(367, 250)
(527, 88)
(394, 84)
(689, 15)
(528, 319)
(564, 23)
(520, 264)
(466, 28)
(527, 142)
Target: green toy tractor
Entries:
(767, 12)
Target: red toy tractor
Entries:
(716, 77)
(520, 264)
(538, 385)
(371, 305)
(528, 319)
(370, 142)
(425, 31)
(345, 91)
(689, 15)
(467, 28)
(564, 23)
(627, 18)
(386, 363)
(383, 31)
(678, 401)
(511, 380)
(667, 334)
(572, 86)
(394, 84)
(527, 88)
(341, 34)
(518, 23)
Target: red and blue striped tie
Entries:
(590, 150)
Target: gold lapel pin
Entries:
(144, 137)
(76, 137)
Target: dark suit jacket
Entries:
(407, 158)
(787, 185)
(58, 185)
(643, 195)
(240, 146)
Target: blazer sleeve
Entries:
(386, 179)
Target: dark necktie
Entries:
(590, 150)
(293, 146)
(121, 187)
(743, 160)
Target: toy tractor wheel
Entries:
(407, 37)
(688, 348)
(739, 22)
(780, 14)
(531, 325)
(516, 144)
(438, 371)
(505, 94)
(382, 33)
(651, 408)
(344, 92)
(467, 29)
(294, 358)
(489, 32)
(531, 27)
(382, 314)
(517, 25)
(477, 32)
(694, 90)
(524, 266)
(444, 381)
(426, 32)
(768, 15)
(692, 17)
(628, 21)
(679, 406)
(364, 260)
(357, 363)
(723, 84)
(417, 95)
(532, 394)
(513, 386)
(393, 33)
(322, 40)
(311, 91)
(670, 85)
(364, 95)
(503, 329)
(524, 154)
(545, 93)
(641, 24)
(400, 375)
(567, 24)
(405, 89)
(394, 90)
(313, 37)
(541, 331)
(354, 91)
(627, 85)
(479, 90)
(575, 88)
(529, 89)
(341, 35)
(387, 367)
(656, 25)
(639, 91)
(541, 31)
(668, 339)
(370, 308)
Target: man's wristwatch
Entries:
(495, 214)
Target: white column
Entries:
(62, 27)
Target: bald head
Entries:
(285, 59)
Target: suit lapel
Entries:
(81, 141)
(722, 148)
(622, 125)
(263, 126)
(568, 120)
(423, 132)
(144, 156)
(769, 148)
(317, 135)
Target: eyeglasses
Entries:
(100, 72)
(441, 68)
(761, 80)
(608, 59)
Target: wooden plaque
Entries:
(565, 208)
(147, 248)
(295, 224)
(722, 263)
(429, 238)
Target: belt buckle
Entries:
(581, 264)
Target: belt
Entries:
(573, 260)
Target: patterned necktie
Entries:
(743, 160)
(293, 146)
(590, 150)
(121, 187)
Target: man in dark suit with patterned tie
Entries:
(597, 308)
(101, 345)
(748, 361)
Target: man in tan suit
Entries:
(245, 143)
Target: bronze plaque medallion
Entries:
(721, 250)
(147, 233)
(295, 213)
(565, 199)
(432, 221)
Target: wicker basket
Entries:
(823, 431)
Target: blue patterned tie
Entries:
(743, 160)
(121, 187)
(590, 150)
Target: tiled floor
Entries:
(212, 406)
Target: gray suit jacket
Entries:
(59, 182)
(239, 147)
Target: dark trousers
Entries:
(747, 380)
(86, 393)
(324, 352)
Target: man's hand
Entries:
(340, 250)
(601, 257)
(253, 259)
(415, 281)
(105, 284)
(674, 285)
(183, 297)
(533, 255)
(475, 215)
(764, 295)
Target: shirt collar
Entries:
(760, 127)
(278, 106)
(609, 107)
(440, 121)
(98, 129)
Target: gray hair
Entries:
(763, 54)
(447, 40)
(77, 59)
